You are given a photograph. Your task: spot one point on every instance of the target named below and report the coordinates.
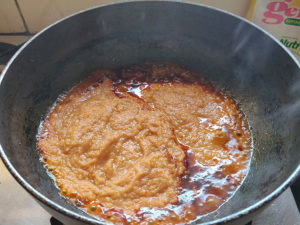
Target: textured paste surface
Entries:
(152, 136)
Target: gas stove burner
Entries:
(54, 221)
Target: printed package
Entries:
(281, 18)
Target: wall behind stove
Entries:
(20, 19)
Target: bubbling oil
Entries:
(204, 137)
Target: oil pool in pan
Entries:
(146, 144)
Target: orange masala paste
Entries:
(147, 144)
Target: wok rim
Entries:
(71, 214)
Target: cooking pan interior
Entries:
(236, 56)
